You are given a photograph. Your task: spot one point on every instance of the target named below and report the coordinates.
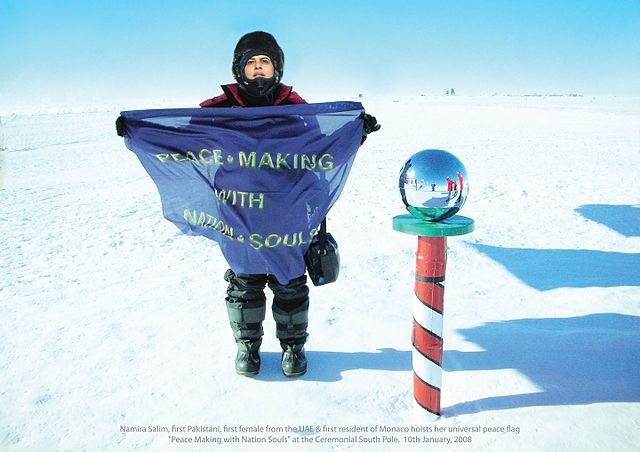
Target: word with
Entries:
(240, 198)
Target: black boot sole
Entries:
(294, 374)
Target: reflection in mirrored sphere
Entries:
(433, 184)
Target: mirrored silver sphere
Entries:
(433, 184)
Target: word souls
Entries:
(270, 160)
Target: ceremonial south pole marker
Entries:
(428, 306)
(434, 186)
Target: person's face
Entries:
(259, 66)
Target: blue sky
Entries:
(129, 51)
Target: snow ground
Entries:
(111, 320)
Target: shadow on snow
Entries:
(547, 269)
(575, 361)
(621, 218)
(329, 366)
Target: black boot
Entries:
(248, 358)
(294, 362)
(246, 310)
(291, 313)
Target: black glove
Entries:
(120, 126)
(370, 125)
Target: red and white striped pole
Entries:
(428, 309)
(428, 306)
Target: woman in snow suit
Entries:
(257, 68)
(258, 63)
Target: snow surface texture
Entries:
(110, 319)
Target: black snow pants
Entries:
(246, 306)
